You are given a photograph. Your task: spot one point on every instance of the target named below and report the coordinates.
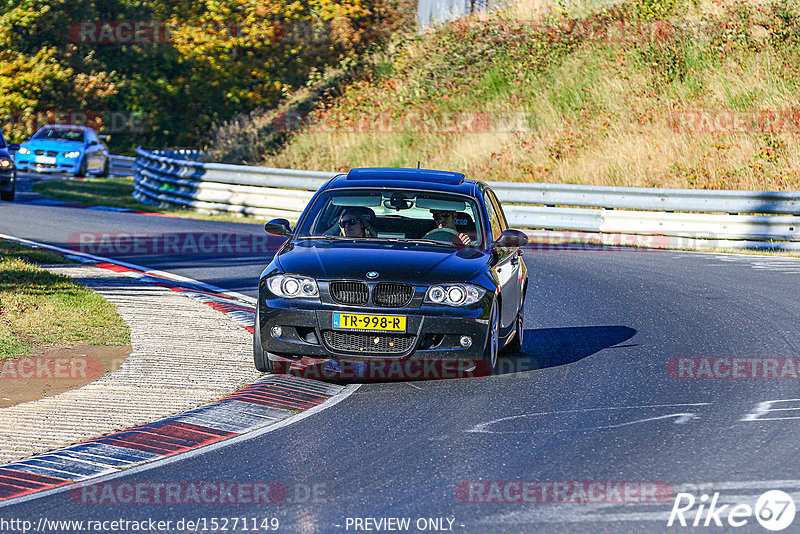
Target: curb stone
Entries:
(266, 401)
(208, 356)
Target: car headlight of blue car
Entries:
(72, 155)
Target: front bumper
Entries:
(62, 164)
(433, 333)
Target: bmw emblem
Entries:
(372, 275)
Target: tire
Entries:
(106, 169)
(260, 356)
(8, 196)
(492, 348)
(82, 169)
(516, 343)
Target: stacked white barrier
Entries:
(177, 179)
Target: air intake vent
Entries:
(392, 295)
(368, 343)
(356, 293)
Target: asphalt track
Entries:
(590, 400)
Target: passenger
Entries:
(447, 220)
(353, 222)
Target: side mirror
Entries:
(511, 239)
(279, 227)
(13, 147)
(104, 138)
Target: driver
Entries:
(446, 220)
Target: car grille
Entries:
(392, 295)
(349, 292)
(375, 343)
(42, 153)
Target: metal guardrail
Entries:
(218, 188)
(649, 199)
(122, 166)
(162, 179)
(433, 12)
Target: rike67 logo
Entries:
(774, 510)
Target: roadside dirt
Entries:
(56, 369)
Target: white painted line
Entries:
(333, 401)
(92, 258)
(744, 484)
(482, 427)
(680, 419)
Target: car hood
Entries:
(407, 262)
(50, 144)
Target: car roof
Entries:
(402, 178)
(73, 127)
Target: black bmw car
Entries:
(8, 170)
(400, 265)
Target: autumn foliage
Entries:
(191, 64)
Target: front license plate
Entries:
(45, 159)
(362, 321)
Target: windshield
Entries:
(60, 134)
(405, 215)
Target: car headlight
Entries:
(5, 163)
(454, 294)
(72, 155)
(290, 286)
(23, 150)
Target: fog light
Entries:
(276, 331)
(466, 342)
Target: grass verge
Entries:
(116, 193)
(655, 93)
(39, 309)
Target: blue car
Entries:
(76, 150)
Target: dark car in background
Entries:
(434, 273)
(72, 149)
(8, 170)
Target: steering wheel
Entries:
(442, 234)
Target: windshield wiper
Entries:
(433, 242)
